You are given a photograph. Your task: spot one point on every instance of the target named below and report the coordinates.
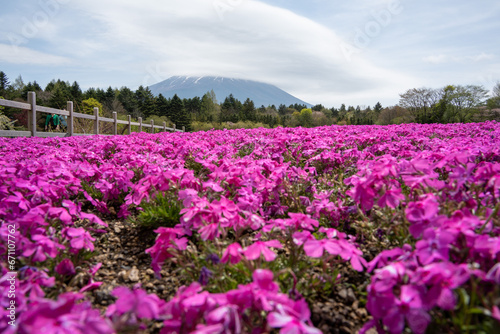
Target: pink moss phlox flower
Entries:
(373, 323)
(225, 318)
(224, 207)
(61, 214)
(34, 218)
(209, 232)
(487, 247)
(254, 221)
(342, 247)
(139, 192)
(407, 307)
(209, 329)
(265, 291)
(386, 257)
(495, 313)
(93, 269)
(264, 280)
(299, 238)
(198, 214)
(320, 205)
(443, 278)
(349, 252)
(212, 185)
(136, 302)
(315, 248)
(248, 200)
(41, 248)
(65, 315)
(435, 245)
(93, 219)
(232, 253)
(166, 241)
(295, 322)
(386, 278)
(493, 274)
(420, 173)
(32, 280)
(363, 192)
(187, 196)
(332, 233)
(391, 198)
(73, 208)
(421, 214)
(198, 311)
(302, 221)
(91, 285)
(464, 222)
(255, 250)
(79, 239)
(175, 309)
(65, 268)
(19, 201)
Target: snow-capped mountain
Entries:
(260, 93)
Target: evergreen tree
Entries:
(90, 93)
(377, 108)
(4, 84)
(178, 113)
(282, 110)
(101, 95)
(127, 97)
(318, 107)
(31, 87)
(192, 105)
(335, 112)
(50, 86)
(163, 106)
(145, 101)
(208, 108)
(248, 111)
(58, 99)
(230, 109)
(76, 93)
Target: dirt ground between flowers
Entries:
(124, 262)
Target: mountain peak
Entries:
(191, 86)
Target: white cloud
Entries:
(22, 55)
(295, 45)
(441, 58)
(245, 39)
(482, 56)
(436, 59)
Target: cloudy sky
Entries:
(322, 51)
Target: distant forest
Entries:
(450, 104)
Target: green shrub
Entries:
(163, 210)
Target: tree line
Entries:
(450, 104)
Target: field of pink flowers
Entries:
(258, 221)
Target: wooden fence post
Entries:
(32, 113)
(96, 122)
(174, 128)
(164, 126)
(115, 124)
(183, 128)
(140, 124)
(69, 121)
(129, 127)
(152, 126)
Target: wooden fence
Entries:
(32, 109)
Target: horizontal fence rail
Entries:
(32, 109)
